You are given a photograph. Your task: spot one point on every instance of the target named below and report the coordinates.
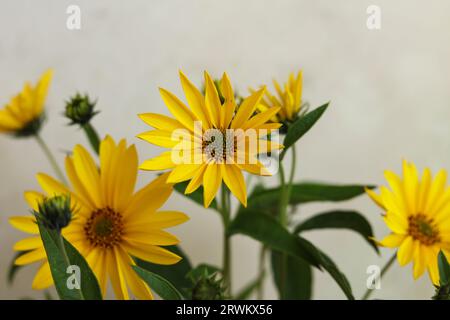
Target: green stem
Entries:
(283, 216)
(225, 208)
(383, 271)
(262, 273)
(62, 248)
(92, 135)
(50, 158)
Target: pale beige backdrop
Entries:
(389, 92)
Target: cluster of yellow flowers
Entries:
(114, 223)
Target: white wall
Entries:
(389, 92)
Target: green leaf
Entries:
(302, 126)
(267, 230)
(196, 196)
(444, 269)
(247, 291)
(202, 270)
(13, 268)
(89, 288)
(336, 274)
(175, 273)
(305, 192)
(351, 220)
(297, 284)
(161, 286)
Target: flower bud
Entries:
(54, 213)
(208, 288)
(80, 109)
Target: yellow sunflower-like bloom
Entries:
(216, 143)
(111, 222)
(417, 211)
(22, 115)
(288, 99)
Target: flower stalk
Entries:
(383, 272)
(226, 208)
(286, 189)
(50, 158)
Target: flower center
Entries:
(423, 229)
(219, 145)
(104, 228)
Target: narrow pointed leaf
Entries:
(297, 284)
(350, 220)
(302, 126)
(305, 192)
(270, 232)
(89, 288)
(175, 273)
(161, 286)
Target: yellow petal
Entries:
(141, 234)
(125, 171)
(411, 185)
(436, 190)
(167, 219)
(183, 172)
(161, 122)
(233, 178)
(392, 240)
(148, 199)
(152, 254)
(88, 174)
(161, 162)
(396, 224)
(405, 251)
(159, 138)
(25, 224)
(33, 199)
(116, 274)
(247, 108)
(195, 100)
(51, 186)
(212, 100)
(108, 152)
(212, 179)
(43, 278)
(261, 118)
(41, 91)
(424, 189)
(97, 261)
(28, 244)
(178, 109)
(196, 180)
(419, 261)
(138, 287)
(375, 198)
(227, 90)
(30, 257)
(433, 269)
(156, 220)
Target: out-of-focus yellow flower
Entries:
(417, 211)
(23, 115)
(215, 143)
(111, 222)
(288, 98)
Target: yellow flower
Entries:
(417, 211)
(23, 114)
(111, 223)
(209, 158)
(289, 99)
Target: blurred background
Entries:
(389, 93)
